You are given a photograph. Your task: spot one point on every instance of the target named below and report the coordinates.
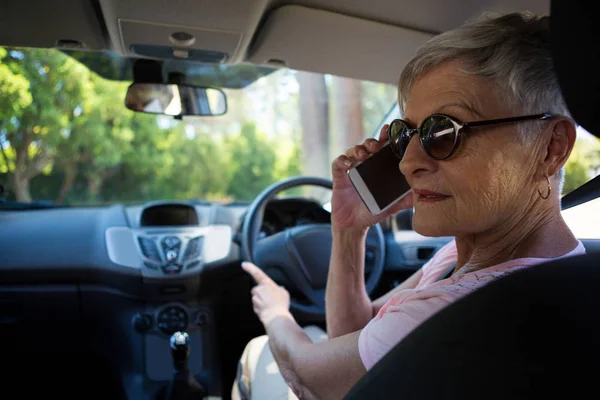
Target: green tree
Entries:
(98, 136)
(201, 168)
(146, 163)
(377, 100)
(57, 86)
(15, 98)
(253, 160)
(577, 169)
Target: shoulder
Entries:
(399, 316)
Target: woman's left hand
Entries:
(268, 299)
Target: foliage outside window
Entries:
(66, 136)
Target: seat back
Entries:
(591, 245)
(532, 334)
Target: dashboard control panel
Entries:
(171, 253)
(172, 319)
(164, 252)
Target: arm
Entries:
(320, 370)
(325, 370)
(348, 307)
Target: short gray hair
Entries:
(512, 50)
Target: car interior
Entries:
(91, 296)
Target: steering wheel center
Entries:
(310, 246)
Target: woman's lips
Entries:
(427, 196)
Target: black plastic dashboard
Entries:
(116, 281)
(118, 245)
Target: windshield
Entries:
(67, 137)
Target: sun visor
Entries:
(575, 38)
(66, 24)
(326, 42)
(166, 41)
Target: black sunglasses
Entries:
(440, 134)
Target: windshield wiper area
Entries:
(34, 205)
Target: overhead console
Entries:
(200, 31)
(158, 40)
(169, 242)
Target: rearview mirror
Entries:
(175, 100)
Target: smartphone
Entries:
(378, 180)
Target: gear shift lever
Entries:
(183, 386)
(180, 350)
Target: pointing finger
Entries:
(256, 273)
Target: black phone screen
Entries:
(381, 174)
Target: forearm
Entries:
(324, 370)
(348, 307)
(286, 338)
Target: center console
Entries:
(170, 244)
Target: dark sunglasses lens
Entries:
(438, 137)
(398, 137)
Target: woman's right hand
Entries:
(348, 212)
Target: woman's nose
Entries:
(415, 161)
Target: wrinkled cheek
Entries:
(471, 211)
(482, 210)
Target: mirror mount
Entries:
(177, 78)
(147, 71)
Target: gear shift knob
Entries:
(184, 385)
(180, 350)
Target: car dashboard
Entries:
(117, 281)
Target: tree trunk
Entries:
(20, 186)
(67, 183)
(94, 184)
(26, 168)
(347, 114)
(314, 119)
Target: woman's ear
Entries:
(559, 146)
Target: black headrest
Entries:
(574, 30)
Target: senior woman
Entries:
(483, 140)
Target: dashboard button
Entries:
(193, 249)
(142, 322)
(202, 318)
(193, 264)
(171, 242)
(171, 255)
(149, 249)
(171, 269)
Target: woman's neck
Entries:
(540, 233)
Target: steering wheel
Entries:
(302, 253)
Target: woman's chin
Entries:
(429, 227)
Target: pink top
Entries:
(408, 308)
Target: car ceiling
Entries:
(342, 37)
